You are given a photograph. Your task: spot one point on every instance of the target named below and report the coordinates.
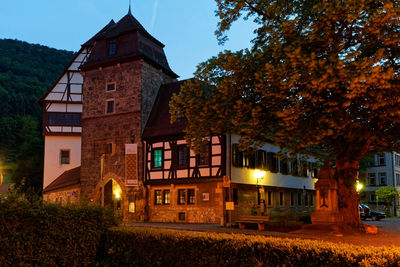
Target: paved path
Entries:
(389, 232)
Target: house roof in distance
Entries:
(158, 125)
(66, 179)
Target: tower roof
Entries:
(132, 41)
(90, 42)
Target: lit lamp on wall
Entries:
(359, 187)
(259, 175)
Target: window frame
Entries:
(112, 47)
(182, 201)
(110, 101)
(153, 167)
(61, 156)
(111, 83)
(164, 198)
(369, 179)
(380, 178)
(190, 200)
(177, 150)
(158, 199)
(199, 157)
(281, 198)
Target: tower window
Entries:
(112, 47)
(64, 157)
(110, 87)
(110, 106)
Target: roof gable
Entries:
(66, 179)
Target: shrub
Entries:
(37, 233)
(141, 247)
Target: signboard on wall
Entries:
(229, 205)
(131, 163)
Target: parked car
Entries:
(366, 212)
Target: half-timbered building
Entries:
(183, 186)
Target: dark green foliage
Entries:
(40, 234)
(26, 72)
(141, 247)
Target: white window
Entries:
(371, 179)
(381, 160)
(382, 178)
(397, 160)
(397, 179)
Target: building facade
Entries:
(109, 141)
(383, 170)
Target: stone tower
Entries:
(122, 77)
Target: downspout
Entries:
(394, 182)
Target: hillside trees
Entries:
(320, 75)
(26, 72)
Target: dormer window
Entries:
(112, 47)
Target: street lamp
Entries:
(359, 186)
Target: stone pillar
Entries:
(327, 208)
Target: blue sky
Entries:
(186, 27)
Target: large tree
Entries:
(320, 75)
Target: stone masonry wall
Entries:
(203, 211)
(100, 129)
(64, 196)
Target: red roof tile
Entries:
(66, 179)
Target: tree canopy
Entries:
(320, 75)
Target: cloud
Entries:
(153, 18)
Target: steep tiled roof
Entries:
(91, 41)
(66, 179)
(132, 41)
(158, 125)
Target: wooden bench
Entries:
(259, 220)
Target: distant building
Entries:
(384, 170)
(108, 140)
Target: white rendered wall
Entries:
(52, 146)
(246, 175)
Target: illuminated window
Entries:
(157, 197)
(64, 156)
(157, 158)
(167, 197)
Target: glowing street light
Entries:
(259, 174)
(359, 186)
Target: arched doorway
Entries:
(113, 196)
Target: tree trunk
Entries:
(346, 172)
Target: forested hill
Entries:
(26, 72)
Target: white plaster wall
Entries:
(246, 175)
(52, 146)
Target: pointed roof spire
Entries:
(129, 11)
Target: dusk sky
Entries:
(186, 27)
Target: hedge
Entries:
(144, 247)
(42, 234)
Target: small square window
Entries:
(64, 156)
(167, 200)
(110, 87)
(181, 216)
(110, 106)
(157, 197)
(181, 196)
(191, 196)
